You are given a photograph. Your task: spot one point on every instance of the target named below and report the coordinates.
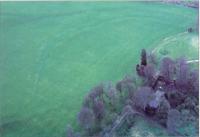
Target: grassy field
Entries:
(53, 53)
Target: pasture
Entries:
(53, 53)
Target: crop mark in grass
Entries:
(195, 42)
(91, 27)
(193, 61)
(42, 61)
(111, 54)
(67, 28)
(8, 126)
(30, 18)
(166, 41)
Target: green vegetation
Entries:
(51, 54)
(161, 96)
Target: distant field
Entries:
(53, 53)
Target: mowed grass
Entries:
(181, 45)
(53, 53)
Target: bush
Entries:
(149, 73)
(98, 109)
(182, 74)
(119, 86)
(173, 121)
(175, 98)
(142, 97)
(109, 118)
(167, 69)
(127, 85)
(96, 92)
(111, 97)
(193, 82)
(143, 57)
(158, 92)
(127, 109)
(162, 112)
(152, 59)
(86, 118)
(70, 132)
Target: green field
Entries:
(53, 53)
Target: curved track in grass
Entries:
(51, 54)
(181, 45)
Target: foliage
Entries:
(175, 98)
(71, 133)
(173, 121)
(162, 112)
(158, 93)
(182, 74)
(86, 118)
(143, 57)
(193, 82)
(98, 109)
(149, 73)
(141, 97)
(152, 59)
(167, 68)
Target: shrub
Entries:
(130, 102)
(119, 86)
(87, 102)
(173, 121)
(154, 103)
(162, 111)
(182, 74)
(126, 88)
(149, 73)
(167, 69)
(143, 57)
(129, 84)
(109, 90)
(111, 96)
(112, 93)
(109, 118)
(109, 107)
(70, 132)
(193, 82)
(98, 109)
(175, 98)
(152, 59)
(96, 92)
(141, 97)
(86, 118)
(191, 103)
(127, 109)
